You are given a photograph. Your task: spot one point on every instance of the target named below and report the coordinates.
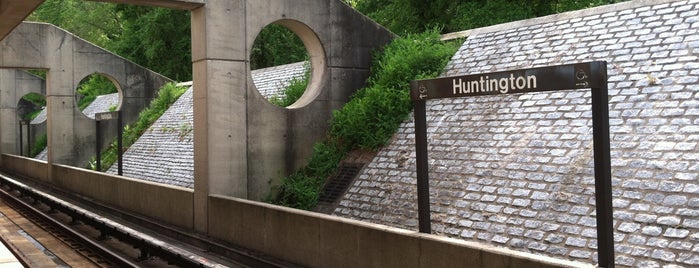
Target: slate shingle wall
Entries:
(270, 81)
(165, 152)
(516, 170)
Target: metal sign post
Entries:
(23, 123)
(103, 117)
(98, 142)
(21, 138)
(592, 75)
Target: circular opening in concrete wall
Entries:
(31, 112)
(287, 62)
(32, 108)
(97, 93)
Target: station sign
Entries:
(106, 116)
(571, 76)
(589, 75)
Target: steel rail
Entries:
(148, 245)
(102, 251)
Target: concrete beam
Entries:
(13, 12)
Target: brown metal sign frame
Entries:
(592, 75)
(105, 116)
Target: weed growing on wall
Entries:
(39, 145)
(372, 115)
(291, 93)
(167, 95)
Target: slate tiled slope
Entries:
(165, 152)
(269, 81)
(101, 104)
(516, 170)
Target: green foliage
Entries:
(302, 189)
(39, 145)
(96, 22)
(368, 122)
(414, 16)
(291, 93)
(34, 103)
(31, 115)
(167, 95)
(35, 98)
(91, 87)
(158, 38)
(276, 45)
(372, 115)
(38, 73)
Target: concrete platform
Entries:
(7, 259)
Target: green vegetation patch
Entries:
(93, 86)
(372, 115)
(39, 145)
(294, 90)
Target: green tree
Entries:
(414, 16)
(276, 45)
(91, 87)
(95, 22)
(157, 38)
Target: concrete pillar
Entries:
(241, 141)
(220, 79)
(14, 84)
(8, 115)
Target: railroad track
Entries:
(106, 243)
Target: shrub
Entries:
(39, 145)
(291, 93)
(372, 115)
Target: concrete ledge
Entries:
(317, 240)
(166, 203)
(28, 167)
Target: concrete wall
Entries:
(316, 240)
(13, 85)
(165, 203)
(169, 204)
(68, 60)
(241, 140)
(281, 140)
(305, 238)
(28, 167)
